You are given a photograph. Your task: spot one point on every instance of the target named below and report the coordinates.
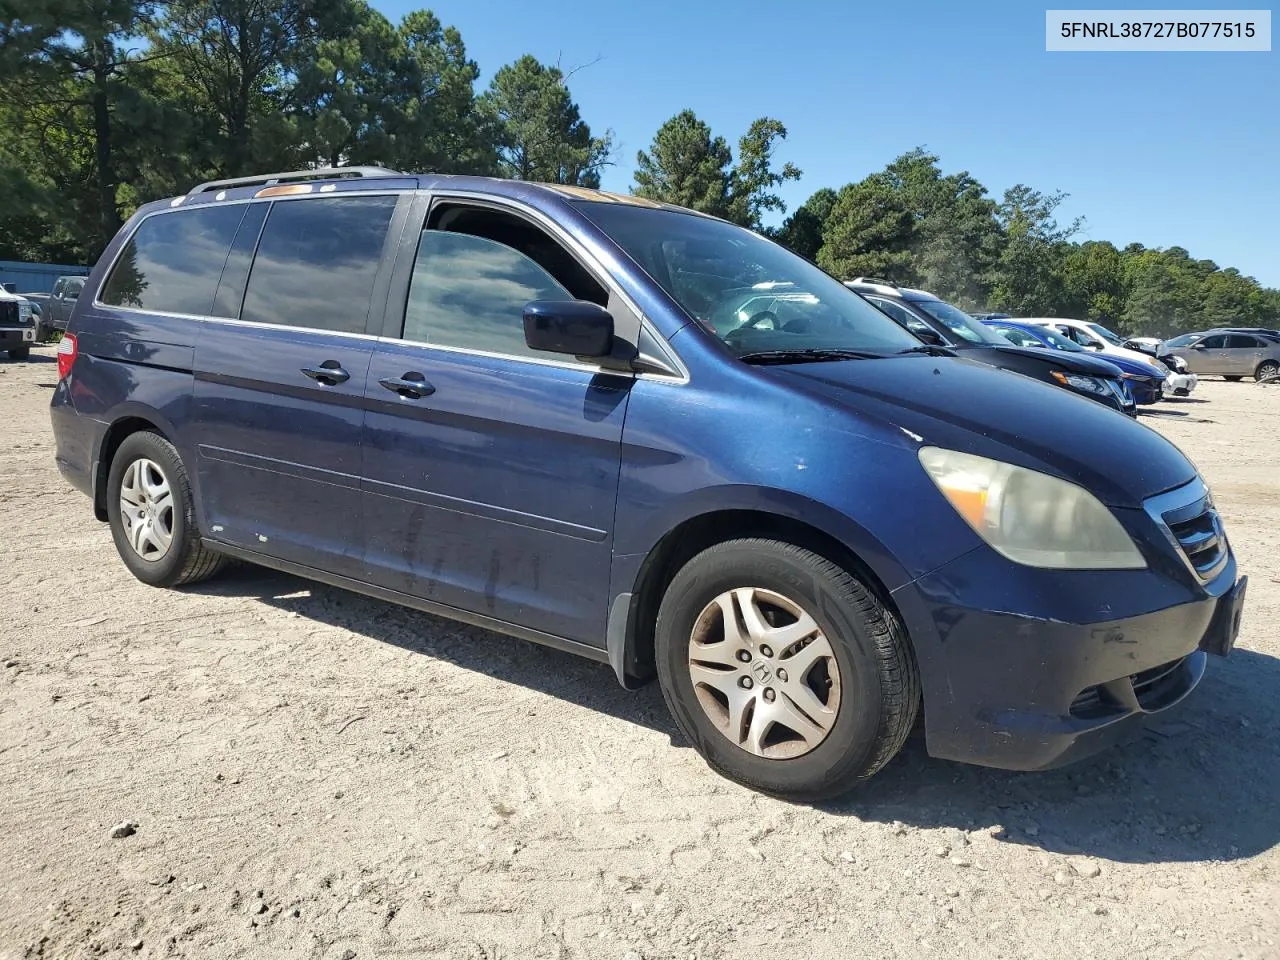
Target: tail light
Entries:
(68, 350)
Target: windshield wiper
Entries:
(932, 349)
(808, 356)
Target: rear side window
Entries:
(173, 261)
(317, 261)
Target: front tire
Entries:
(152, 517)
(786, 673)
(1266, 370)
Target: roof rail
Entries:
(267, 179)
(874, 280)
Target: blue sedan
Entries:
(1144, 379)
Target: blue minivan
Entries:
(526, 407)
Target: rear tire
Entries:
(797, 736)
(152, 517)
(1267, 369)
(1235, 379)
(20, 353)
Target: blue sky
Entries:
(1158, 148)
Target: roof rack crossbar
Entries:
(268, 179)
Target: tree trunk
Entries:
(108, 213)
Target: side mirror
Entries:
(930, 336)
(578, 328)
(1198, 346)
(1093, 345)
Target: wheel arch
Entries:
(126, 423)
(633, 614)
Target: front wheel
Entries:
(1266, 370)
(785, 671)
(152, 518)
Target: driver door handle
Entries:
(412, 386)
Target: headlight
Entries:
(1030, 517)
(1078, 381)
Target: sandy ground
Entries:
(314, 774)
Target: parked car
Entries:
(984, 317)
(66, 293)
(17, 326)
(939, 322)
(1095, 337)
(523, 406)
(1145, 380)
(1233, 356)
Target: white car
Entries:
(17, 325)
(1094, 336)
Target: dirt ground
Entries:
(314, 774)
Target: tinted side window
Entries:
(1239, 341)
(470, 292)
(1214, 343)
(316, 262)
(73, 288)
(903, 316)
(173, 260)
(234, 275)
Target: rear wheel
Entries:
(785, 672)
(1235, 379)
(1266, 370)
(152, 518)
(19, 353)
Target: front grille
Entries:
(9, 312)
(1201, 540)
(1193, 527)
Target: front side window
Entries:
(470, 292)
(173, 261)
(754, 295)
(1214, 343)
(903, 316)
(1106, 334)
(1020, 338)
(960, 323)
(316, 262)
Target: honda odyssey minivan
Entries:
(552, 412)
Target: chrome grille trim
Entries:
(1192, 526)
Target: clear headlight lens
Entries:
(1079, 381)
(1030, 517)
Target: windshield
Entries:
(1184, 341)
(755, 296)
(960, 323)
(1105, 334)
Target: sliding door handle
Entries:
(412, 386)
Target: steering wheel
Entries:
(764, 316)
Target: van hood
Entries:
(975, 408)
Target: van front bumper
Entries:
(1006, 688)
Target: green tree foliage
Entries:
(802, 231)
(688, 166)
(540, 134)
(65, 98)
